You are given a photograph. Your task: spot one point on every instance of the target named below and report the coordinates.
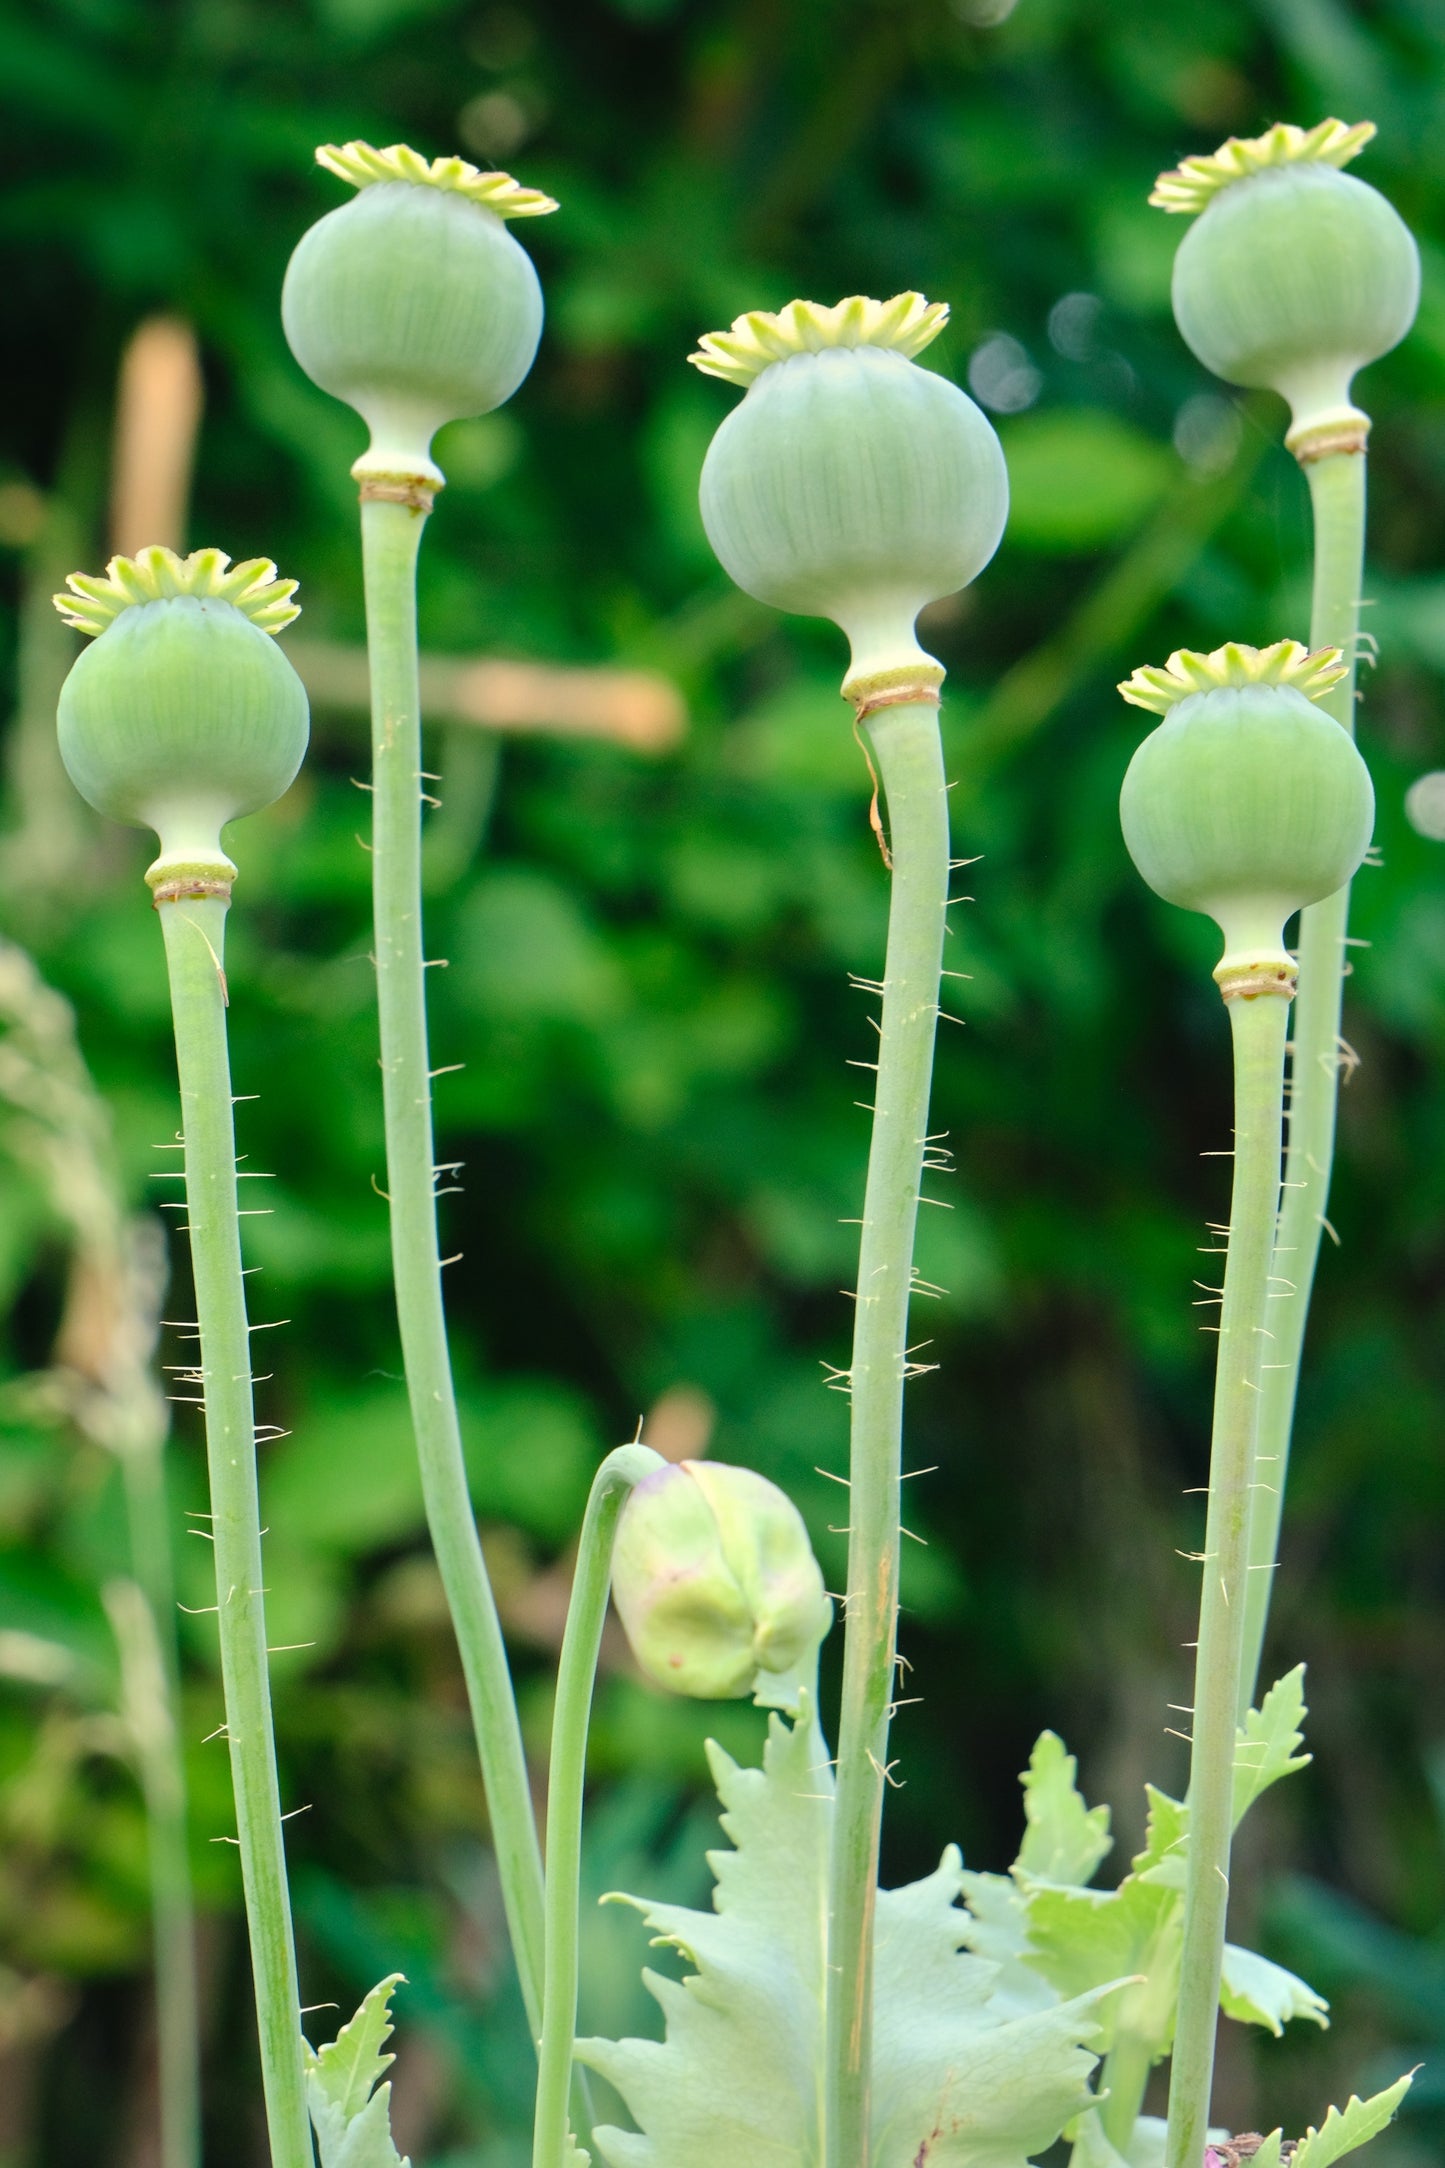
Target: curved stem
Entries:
(391, 536)
(1245, 1346)
(195, 936)
(1337, 491)
(586, 1613)
(906, 744)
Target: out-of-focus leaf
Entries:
(1079, 478)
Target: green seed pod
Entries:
(413, 303)
(716, 1583)
(1294, 275)
(1247, 802)
(850, 484)
(184, 714)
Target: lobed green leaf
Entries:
(350, 2105)
(962, 2078)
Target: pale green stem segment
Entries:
(586, 1614)
(909, 754)
(143, 1616)
(391, 535)
(149, 1702)
(1337, 489)
(1124, 2078)
(1245, 1347)
(195, 937)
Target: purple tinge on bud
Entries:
(715, 1581)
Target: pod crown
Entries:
(904, 325)
(156, 574)
(1194, 182)
(364, 166)
(1287, 662)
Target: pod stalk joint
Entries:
(913, 684)
(172, 883)
(1247, 978)
(384, 480)
(1321, 436)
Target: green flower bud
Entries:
(1295, 275)
(1247, 802)
(850, 484)
(413, 303)
(716, 1583)
(184, 714)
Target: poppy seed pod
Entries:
(716, 1583)
(413, 303)
(184, 714)
(1294, 275)
(850, 483)
(1248, 802)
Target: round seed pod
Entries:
(716, 1583)
(1248, 802)
(850, 484)
(413, 303)
(184, 714)
(1295, 274)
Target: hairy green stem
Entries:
(195, 938)
(909, 754)
(391, 536)
(1259, 1026)
(566, 1778)
(1337, 491)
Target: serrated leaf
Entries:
(1064, 1840)
(1165, 1840)
(1268, 2155)
(959, 2081)
(1268, 1742)
(350, 2105)
(1343, 2130)
(1254, 1991)
(1082, 1939)
(996, 1926)
(952, 2084)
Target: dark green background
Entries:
(648, 987)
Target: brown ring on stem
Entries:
(1322, 440)
(409, 489)
(1246, 982)
(923, 694)
(173, 888)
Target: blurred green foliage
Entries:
(648, 980)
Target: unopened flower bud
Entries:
(1248, 802)
(1294, 275)
(716, 1583)
(184, 714)
(413, 303)
(850, 483)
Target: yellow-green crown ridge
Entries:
(904, 325)
(1287, 662)
(1194, 182)
(363, 166)
(157, 574)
